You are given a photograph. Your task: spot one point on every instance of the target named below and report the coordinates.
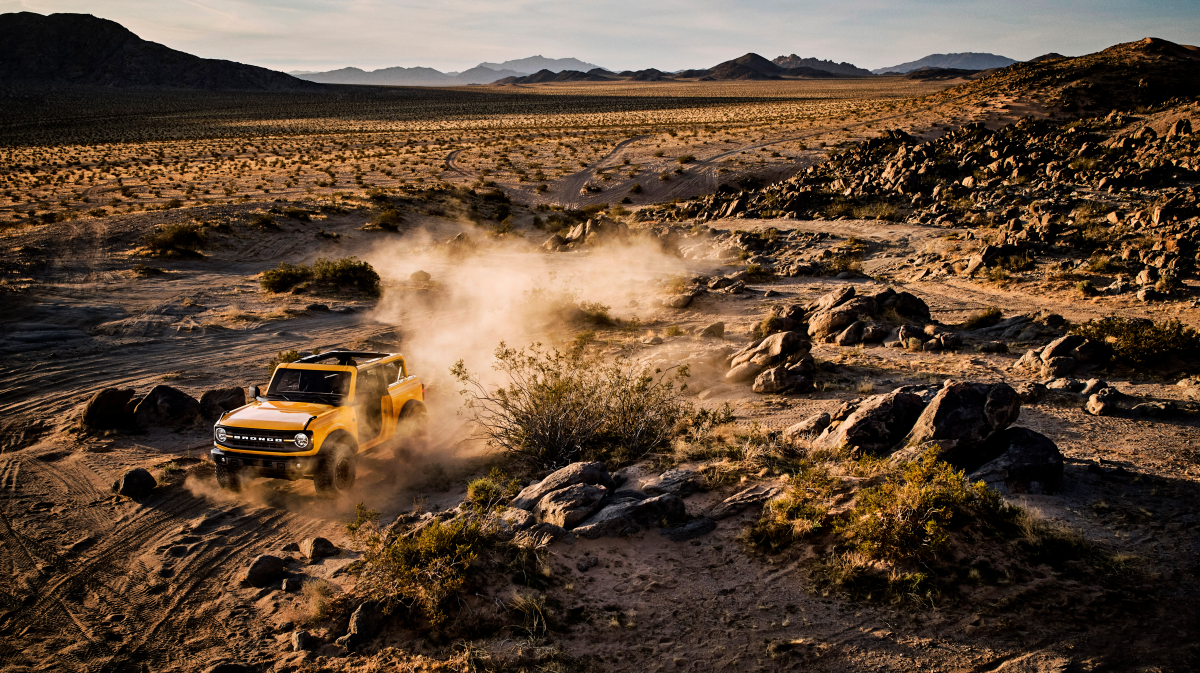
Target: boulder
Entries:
(1029, 391)
(779, 379)
(318, 547)
(677, 301)
(106, 410)
(264, 570)
(364, 624)
(422, 276)
(165, 406)
(1058, 366)
(676, 481)
(716, 329)
(1061, 347)
(993, 347)
(755, 495)
(835, 298)
(743, 372)
(214, 403)
(630, 516)
(908, 333)
(575, 473)
(809, 426)
(1026, 462)
(909, 306)
(568, 506)
(775, 349)
(961, 417)
(553, 243)
(690, 530)
(135, 484)
(302, 641)
(851, 335)
(876, 425)
(824, 323)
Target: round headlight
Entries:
(219, 433)
(301, 440)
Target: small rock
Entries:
(291, 546)
(677, 481)
(1093, 386)
(292, 584)
(677, 301)
(135, 484)
(586, 563)
(716, 329)
(739, 501)
(690, 530)
(993, 347)
(568, 506)
(318, 547)
(317, 307)
(302, 641)
(1103, 402)
(652, 340)
(264, 570)
(419, 276)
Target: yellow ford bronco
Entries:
(317, 415)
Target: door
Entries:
(373, 406)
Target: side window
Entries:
(391, 372)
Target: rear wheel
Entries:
(336, 474)
(227, 479)
(412, 431)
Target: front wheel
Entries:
(227, 479)
(336, 474)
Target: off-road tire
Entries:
(412, 431)
(336, 474)
(227, 479)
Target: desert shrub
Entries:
(1085, 288)
(686, 159)
(146, 271)
(767, 326)
(753, 269)
(1015, 263)
(673, 331)
(176, 240)
(801, 510)
(1103, 264)
(558, 407)
(909, 516)
(636, 188)
(283, 357)
(284, 277)
(839, 207)
(832, 266)
(263, 221)
(985, 318)
(388, 219)
(1141, 342)
(489, 493)
(879, 210)
(347, 272)
(420, 571)
(318, 594)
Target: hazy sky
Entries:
(624, 34)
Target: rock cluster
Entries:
(584, 500)
(1060, 357)
(965, 423)
(162, 407)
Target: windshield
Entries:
(309, 385)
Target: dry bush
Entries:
(560, 407)
(1141, 342)
(346, 275)
(176, 240)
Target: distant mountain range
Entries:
(794, 61)
(82, 50)
(408, 76)
(964, 61)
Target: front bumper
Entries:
(281, 466)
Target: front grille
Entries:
(259, 440)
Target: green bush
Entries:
(388, 219)
(176, 240)
(493, 491)
(346, 275)
(283, 357)
(284, 277)
(559, 407)
(1141, 342)
(909, 516)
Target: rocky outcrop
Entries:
(960, 418)
(876, 426)
(575, 473)
(1026, 462)
(568, 506)
(106, 410)
(630, 516)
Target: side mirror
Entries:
(253, 392)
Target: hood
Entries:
(274, 415)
